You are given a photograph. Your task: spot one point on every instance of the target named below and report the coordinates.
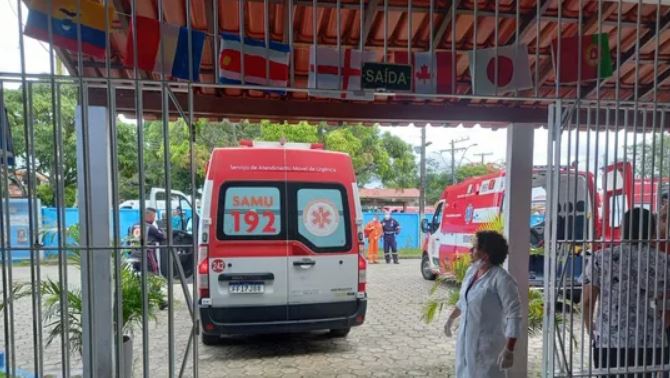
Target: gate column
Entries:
(518, 183)
(96, 276)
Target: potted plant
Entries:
(132, 307)
(439, 299)
(131, 294)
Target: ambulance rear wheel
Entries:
(426, 270)
(342, 332)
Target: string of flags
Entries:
(175, 50)
(66, 23)
(333, 73)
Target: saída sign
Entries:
(396, 77)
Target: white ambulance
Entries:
(280, 241)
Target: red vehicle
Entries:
(280, 241)
(584, 213)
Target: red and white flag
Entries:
(175, 60)
(432, 72)
(513, 70)
(263, 65)
(325, 74)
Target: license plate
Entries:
(246, 288)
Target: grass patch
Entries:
(51, 260)
(403, 253)
(410, 253)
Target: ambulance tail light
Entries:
(203, 271)
(362, 275)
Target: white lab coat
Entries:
(490, 313)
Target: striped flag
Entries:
(64, 27)
(6, 142)
(325, 74)
(175, 60)
(268, 66)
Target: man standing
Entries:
(391, 228)
(373, 231)
(154, 236)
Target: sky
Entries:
(37, 53)
(481, 140)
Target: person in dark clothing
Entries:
(391, 228)
(154, 236)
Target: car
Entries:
(280, 241)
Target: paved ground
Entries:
(392, 342)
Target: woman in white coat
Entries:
(490, 312)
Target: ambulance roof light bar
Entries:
(281, 143)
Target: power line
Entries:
(482, 155)
(453, 151)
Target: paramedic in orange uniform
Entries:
(373, 231)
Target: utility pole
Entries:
(453, 151)
(422, 191)
(422, 172)
(483, 155)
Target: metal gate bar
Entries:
(608, 120)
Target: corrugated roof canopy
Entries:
(625, 24)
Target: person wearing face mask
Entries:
(490, 312)
(391, 228)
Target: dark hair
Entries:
(638, 224)
(494, 245)
(150, 210)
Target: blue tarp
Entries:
(409, 228)
(409, 236)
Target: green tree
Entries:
(302, 132)
(44, 148)
(435, 184)
(437, 180)
(363, 144)
(376, 156)
(471, 170)
(403, 168)
(651, 152)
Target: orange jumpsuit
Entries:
(373, 231)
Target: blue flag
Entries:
(6, 144)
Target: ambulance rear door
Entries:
(248, 265)
(617, 198)
(322, 263)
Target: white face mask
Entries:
(477, 264)
(387, 216)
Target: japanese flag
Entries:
(513, 70)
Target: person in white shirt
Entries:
(490, 312)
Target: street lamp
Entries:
(465, 152)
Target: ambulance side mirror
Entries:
(426, 227)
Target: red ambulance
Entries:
(584, 213)
(280, 241)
